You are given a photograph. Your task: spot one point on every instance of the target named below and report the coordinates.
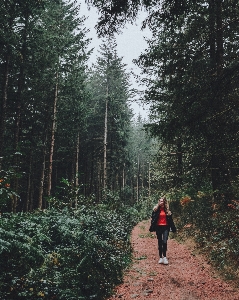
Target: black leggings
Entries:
(162, 236)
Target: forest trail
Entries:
(186, 277)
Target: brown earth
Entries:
(186, 277)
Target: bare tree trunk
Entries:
(142, 175)
(99, 182)
(4, 104)
(149, 194)
(31, 198)
(29, 183)
(17, 130)
(53, 130)
(123, 177)
(219, 38)
(180, 163)
(6, 66)
(212, 35)
(137, 192)
(105, 141)
(92, 175)
(42, 178)
(132, 187)
(19, 108)
(77, 167)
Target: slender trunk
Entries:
(19, 106)
(4, 104)
(142, 176)
(42, 177)
(99, 181)
(180, 163)
(212, 35)
(132, 187)
(212, 44)
(149, 182)
(5, 83)
(92, 175)
(29, 183)
(77, 167)
(123, 177)
(20, 87)
(72, 177)
(53, 130)
(219, 38)
(17, 132)
(31, 197)
(105, 140)
(86, 178)
(137, 192)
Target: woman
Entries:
(161, 222)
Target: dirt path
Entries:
(186, 277)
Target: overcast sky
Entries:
(130, 44)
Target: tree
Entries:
(114, 13)
(189, 66)
(110, 92)
(44, 41)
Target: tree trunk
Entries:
(105, 140)
(219, 38)
(149, 180)
(132, 187)
(212, 35)
(17, 132)
(42, 178)
(137, 187)
(77, 167)
(19, 108)
(92, 175)
(29, 184)
(123, 177)
(4, 104)
(53, 130)
(180, 163)
(98, 192)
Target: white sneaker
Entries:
(160, 260)
(165, 261)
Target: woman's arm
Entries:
(156, 207)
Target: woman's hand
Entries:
(155, 207)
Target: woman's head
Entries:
(163, 203)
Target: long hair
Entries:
(166, 205)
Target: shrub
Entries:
(214, 227)
(69, 254)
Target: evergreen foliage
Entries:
(108, 85)
(188, 63)
(53, 110)
(64, 254)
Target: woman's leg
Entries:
(165, 234)
(159, 233)
(160, 246)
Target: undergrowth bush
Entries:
(214, 226)
(69, 254)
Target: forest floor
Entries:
(188, 276)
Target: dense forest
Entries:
(63, 123)
(74, 161)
